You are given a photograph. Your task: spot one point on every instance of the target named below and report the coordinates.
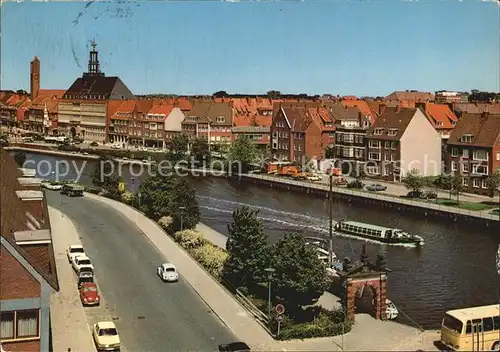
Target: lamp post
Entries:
(269, 272)
(182, 218)
(330, 204)
(499, 204)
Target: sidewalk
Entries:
(69, 324)
(234, 316)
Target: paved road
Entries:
(152, 315)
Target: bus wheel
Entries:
(496, 346)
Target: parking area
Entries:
(71, 323)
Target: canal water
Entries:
(455, 268)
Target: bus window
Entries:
(452, 324)
(487, 324)
(468, 329)
(496, 322)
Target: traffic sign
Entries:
(280, 309)
(280, 318)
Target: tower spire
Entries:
(94, 67)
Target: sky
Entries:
(341, 47)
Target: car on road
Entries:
(81, 261)
(167, 272)
(106, 336)
(421, 194)
(234, 347)
(89, 295)
(53, 186)
(314, 178)
(376, 187)
(73, 251)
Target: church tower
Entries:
(34, 78)
(94, 69)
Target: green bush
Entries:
(211, 257)
(189, 239)
(127, 197)
(68, 148)
(356, 184)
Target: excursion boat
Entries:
(378, 233)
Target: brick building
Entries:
(474, 150)
(27, 266)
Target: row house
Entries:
(408, 98)
(447, 97)
(42, 115)
(474, 108)
(351, 128)
(27, 265)
(442, 118)
(120, 114)
(295, 135)
(474, 150)
(402, 140)
(323, 118)
(13, 108)
(211, 121)
(83, 109)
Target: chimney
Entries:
(381, 109)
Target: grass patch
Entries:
(474, 206)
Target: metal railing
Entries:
(388, 198)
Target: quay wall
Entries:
(392, 203)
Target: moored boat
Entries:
(378, 233)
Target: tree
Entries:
(300, 277)
(414, 181)
(179, 147)
(243, 151)
(273, 94)
(457, 185)
(105, 176)
(200, 150)
(329, 152)
(170, 196)
(493, 182)
(20, 158)
(221, 94)
(444, 181)
(248, 249)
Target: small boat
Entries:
(378, 233)
(323, 256)
(391, 311)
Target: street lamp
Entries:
(182, 219)
(269, 272)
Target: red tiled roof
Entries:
(362, 106)
(440, 115)
(161, 109)
(184, 104)
(410, 96)
(321, 115)
(393, 118)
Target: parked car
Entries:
(89, 295)
(53, 186)
(81, 260)
(376, 187)
(85, 271)
(73, 251)
(84, 279)
(234, 347)
(314, 178)
(94, 144)
(167, 272)
(415, 194)
(106, 336)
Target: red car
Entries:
(89, 294)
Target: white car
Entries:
(53, 186)
(80, 261)
(167, 272)
(106, 336)
(314, 178)
(73, 251)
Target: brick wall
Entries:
(17, 282)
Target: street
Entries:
(150, 315)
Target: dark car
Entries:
(234, 347)
(415, 194)
(376, 188)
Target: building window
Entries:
(300, 148)
(454, 152)
(374, 144)
(349, 138)
(454, 166)
(394, 145)
(481, 155)
(378, 131)
(387, 157)
(466, 138)
(7, 325)
(373, 170)
(19, 325)
(498, 156)
(476, 182)
(480, 169)
(392, 131)
(387, 144)
(465, 167)
(465, 153)
(374, 156)
(465, 181)
(484, 184)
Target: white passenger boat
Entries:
(378, 233)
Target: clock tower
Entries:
(34, 78)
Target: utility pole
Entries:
(330, 203)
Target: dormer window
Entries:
(392, 131)
(439, 124)
(220, 119)
(454, 123)
(378, 131)
(466, 138)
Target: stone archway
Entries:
(365, 300)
